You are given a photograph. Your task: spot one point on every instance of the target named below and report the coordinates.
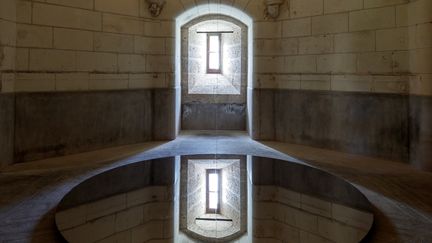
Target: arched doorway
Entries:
(214, 96)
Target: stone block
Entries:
(316, 44)
(334, 23)
(8, 10)
(415, 12)
(392, 39)
(22, 59)
(352, 83)
(380, 62)
(52, 15)
(7, 86)
(108, 42)
(159, 28)
(52, 60)
(315, 82)
(296, 27)
(106, 207)
(24, 12)
(7, 60)
(382, 3)
(337, 63)
(269, 64)
(69, 218)
(72, 81)
(401, 62)
(159, 63)
(420, 60)
(362, 41)
(34, 82)
(288, 197)
(96, 62)
(423, 35)
(267, 29)
(108, 81)
(390, 84)
(122, 24)
(316, 206)
(300, 64)
(148, 45)
(421, 84)
(9, 30)
(334, 6)
(34, 36)
(303, 8)
(288, 81)
(73, 39)
(147, 195)
(88, 4)
(372, 19)
(338, 232)
(307, 237)
(352, 216)
(148, 231)
(129, 218)
(126, 7)
(131, 63)
(306, 221)
(270, 47)
(146, 81)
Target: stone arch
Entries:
(213, 9)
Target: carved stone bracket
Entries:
(272, 8)
(155, 7)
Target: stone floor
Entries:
(29, 192)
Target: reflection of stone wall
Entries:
(233, 194)
(281, 214)
(137, 216)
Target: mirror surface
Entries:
(214, 198)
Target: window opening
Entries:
(214, 53)
(213, 191)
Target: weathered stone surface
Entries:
(7, 117)
(420, 132)
(64, 123)
(226, 116)
(373, 124)
(164, 127)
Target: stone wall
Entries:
(371, 47)
(357, 53)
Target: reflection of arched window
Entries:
(213, 197)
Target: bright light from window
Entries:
(214, 53)
(213, 191)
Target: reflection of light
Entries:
(214, 52)
(213, 190)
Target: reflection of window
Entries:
(214, 63)
(213, 191)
